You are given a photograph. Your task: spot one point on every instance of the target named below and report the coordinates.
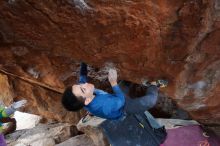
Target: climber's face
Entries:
(84, 90)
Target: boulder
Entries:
(80, 140)
(90, 125)
(42, 42)
(42, 135)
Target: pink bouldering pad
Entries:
(2, 140)
(190, 136)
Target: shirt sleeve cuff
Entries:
(115, 87)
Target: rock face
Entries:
(42, 135)
(80, 140)
(42, 41)
(90, 125)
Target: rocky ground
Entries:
(60, 134)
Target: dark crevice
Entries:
(179, 60)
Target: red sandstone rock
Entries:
(41, 42)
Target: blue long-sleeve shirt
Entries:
(104, 105)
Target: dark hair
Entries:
(70, 101)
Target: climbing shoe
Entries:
(158, 83)
(161, 83)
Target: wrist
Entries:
(113, 83)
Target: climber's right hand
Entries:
(112, 77)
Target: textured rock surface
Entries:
(80, 140)
(90, 125)
(42, 135)
(41, 42)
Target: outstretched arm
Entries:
(112, 77)
(83, 73)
